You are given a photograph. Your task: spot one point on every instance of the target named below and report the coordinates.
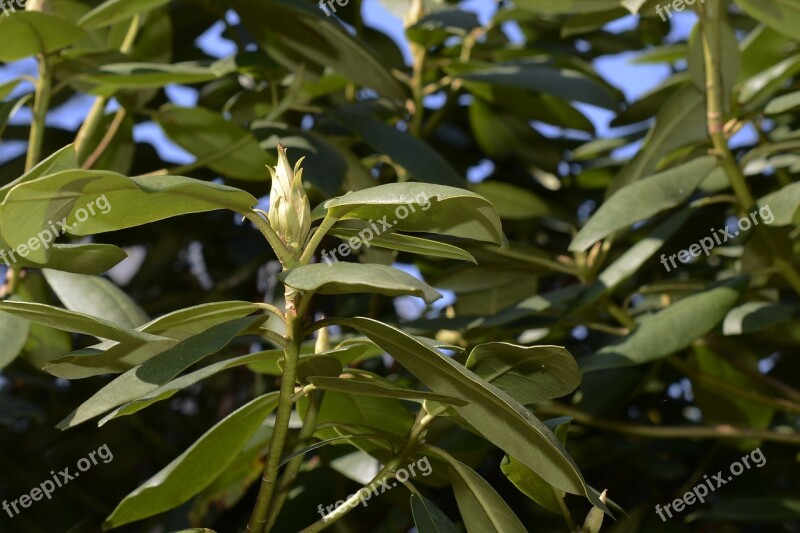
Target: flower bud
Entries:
(289, 210)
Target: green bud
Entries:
(289, 210)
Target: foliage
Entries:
(573, 373)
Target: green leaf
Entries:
(631, 260)
(14, 332)
(760, 88)
(91, 259)
(158, 370)
(349, 278)
(512, 202)
(415, 155)
(368, 385)
(299, 33)
(643, 199)
(782, 104)
(7, 111)
(672, 329)
(384, 415)
(755, 316)
(34, 207)
(783, 204)
(481, 507)
(197, 467)
(168, 390)
(113, 11)
(184, 323)
(759, 509)
(229, 149)
(529, 483)
(680, 121)
(28, 33)
(730, 61)
(400, 242)
(783, 15)
(96, 296)
(724, 408)
(566, 7)
(539, 76)
(436, 209)
(44, 343)
(106, 358)
(428, 518)
(64, 320)
(528, 374)
(176, 326)
(496, 415)
(117, 76)
(64, 159)
(8, 87)
(437, 26)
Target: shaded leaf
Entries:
(673, 329)
(28, 33)
(428, 518)
(496, 415)
(643, 199)
(528, 374)
(229, 149)
(158, 370)
(96, 296)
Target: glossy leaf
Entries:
(449, 211)
(347, 278)
(37, 206)
(197, 467)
